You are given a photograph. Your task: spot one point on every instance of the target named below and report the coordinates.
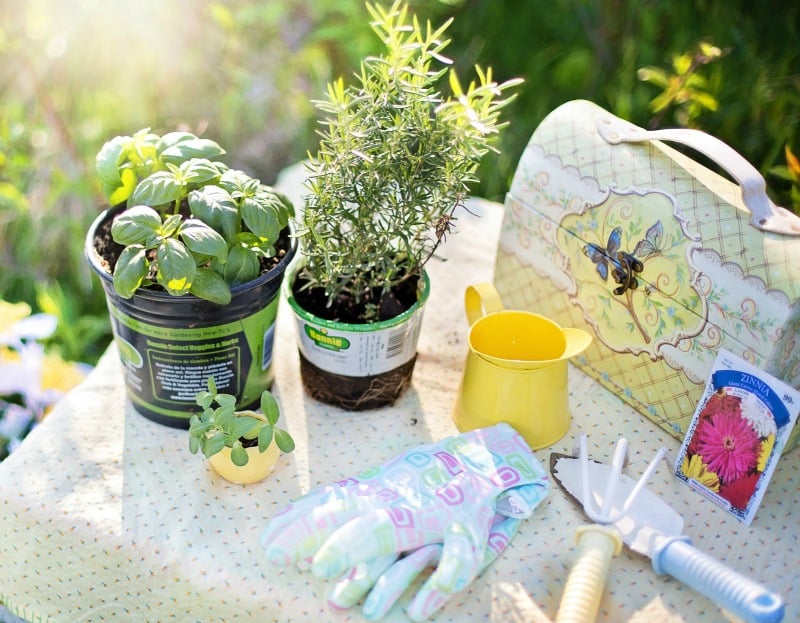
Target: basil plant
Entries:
(191, 224)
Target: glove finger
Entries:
(430, 599)
(359, 580)
(397, 579)
(500, 536)
(462, 555)
(376, 533)
(427, 602)
(303, 536)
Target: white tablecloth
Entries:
(106, 516)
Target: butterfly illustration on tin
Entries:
(623, 266)
(601, 256)
(652, 242)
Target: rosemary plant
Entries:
(395, 161)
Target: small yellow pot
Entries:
(259, 464)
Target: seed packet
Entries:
(737, 435)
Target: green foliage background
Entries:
(244, 72)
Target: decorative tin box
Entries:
(663, 260)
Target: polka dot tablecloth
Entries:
(106, 516)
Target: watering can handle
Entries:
(481, 299)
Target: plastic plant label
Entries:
(165, 366)
(737, 434)
(359, 350)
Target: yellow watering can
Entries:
(516, 369)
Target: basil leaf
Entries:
(260, 218)
(171, 225)
(210, 286)
(107, 162)
(173, 138)
(238, 183)
(191, 147)
(200, 238)
(280, 202)
(199, 171)
(130, 270)
(159, 188)
(176, 267)
(135, 225)
(242, 266)
(127, 184)
(216, 207)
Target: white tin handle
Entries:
(765, 215)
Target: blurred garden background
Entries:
(74, 73)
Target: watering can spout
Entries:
(578, 341)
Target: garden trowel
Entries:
(650, 526)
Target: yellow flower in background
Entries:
(766, 450)
(58, 377)
(694, 468)
(8, 355)
(11, 313)
(31, 379)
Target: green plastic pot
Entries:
(357, 366)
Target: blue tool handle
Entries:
(739, 595)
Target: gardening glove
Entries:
(445, 493)
(387, 578)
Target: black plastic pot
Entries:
(170, 345)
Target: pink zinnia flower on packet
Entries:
(729, 445)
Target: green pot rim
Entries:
(365, 327)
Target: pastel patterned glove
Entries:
(387, 578)
(446, 493)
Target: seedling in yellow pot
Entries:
(242, 446)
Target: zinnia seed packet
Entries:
(737, 435)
